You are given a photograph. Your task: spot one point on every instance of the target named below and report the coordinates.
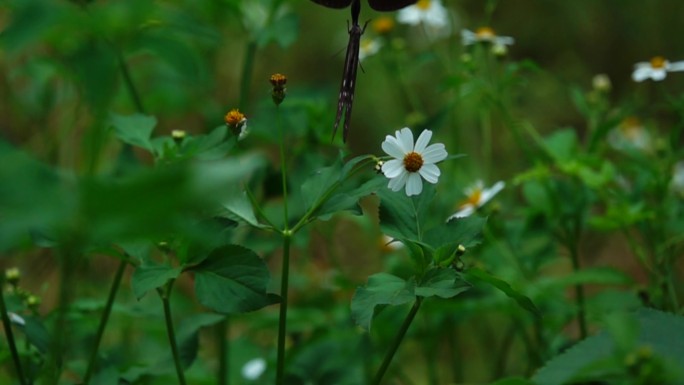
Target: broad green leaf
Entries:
(188, 335)
(475, 275)
(239, 208)
(318, 185)
(146, 278)
(561, 145)
(347, 199)
(401, 216)
(134, 129)
(458, 231)
(232, 279)
(381, 289)
(441, 282)
(36, 333)
(662, 332)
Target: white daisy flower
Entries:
(656, 69)
(476, 197)
(429, 12)
(369, 47)
(485, 35)
(630, 134)
(253, 369)
(411, 162)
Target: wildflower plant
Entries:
(148, 237)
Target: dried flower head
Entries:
(278, 94)
(237, 123)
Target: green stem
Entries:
(246, 77)
(105, 317)
(579, 290)
(7, 325)
(130, 86)
(223, 348)
(282, 319)
(397, 341)
(165, 294)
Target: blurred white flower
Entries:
(656, 69)
(411, 162)
(369, 47)
(431, 13)
(389, 244)
(16, 318)
(254, 368)
(485, 35)
(601, 83)
(630, 134)
(476, 197)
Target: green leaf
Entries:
(458, 231)
(232, 279)
(134, 129)
(475, 275)
(146, 278)
(36, 333)
(401, 216)
(441, 282)
(381, 289)
(188, 335)
(347, 199)
(662, 332)
(514, 381)
(561, 145)
(240, 208)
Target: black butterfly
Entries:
(351, 60)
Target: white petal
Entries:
(468, 37)
(405, 139)
(423, 141)
(395, 184)
(434, 153)
(467, 210)
(676, 66)
(392, 168)
(253, 369)
(393, 148)
(16, 318)
(409, 15)
(504, 40)
(414, 185)
(641, 73)
(489, 193)
(430, 173)
(658, 74)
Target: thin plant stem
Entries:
(579, 290)
(223, 347)
(246, 76)
(105, 317)
(397, 341)
(282, 319)
(285, 274)
(165, 296)
(7, 325)
(130, 86)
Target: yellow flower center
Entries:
(473, 199)
(278, 80)
(383, 25)
(234, 117)
(658, 62)
(485, 33)
(631, 127)
(413, 161)
(423, 4)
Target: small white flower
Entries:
(476, 197)
(411, 162)
(369, 47)
(16, 318)
(656, 69)
(254, 368)
(429, 12)
(630, 134)
(485, 35)
(601, 83)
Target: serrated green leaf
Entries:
(458, 231)
(441, 282)
(476, 275)
(401, 216)
(146, 278)
(381, 289)
(240, 208)
(231, 280)
(134, 129)
(347, 199)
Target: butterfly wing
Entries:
(338, 4)
(388, 5)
